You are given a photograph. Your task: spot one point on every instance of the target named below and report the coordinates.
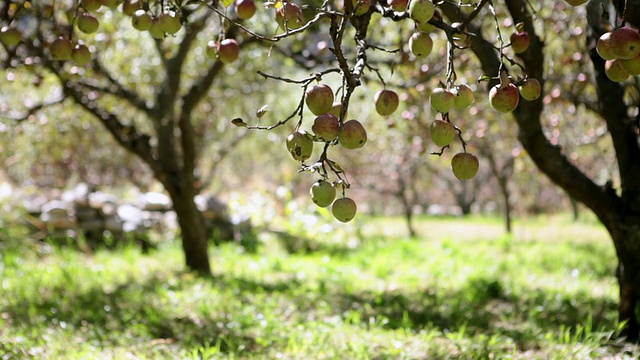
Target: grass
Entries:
(462, 290)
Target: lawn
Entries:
(461, 290)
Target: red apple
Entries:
(319, 99)
(228, 51)
(291, 14)
(625, 43)
(352, 135)
(603, 47)
(520, 41)
(245, 9)
(504, 97)
(387, 102)
(398, 5)
(326, 127)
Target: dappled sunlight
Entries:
(436, 296)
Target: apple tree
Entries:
(343, 40)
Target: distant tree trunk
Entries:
(194, 236)
(502, 174)
(407, 205)
(575, 209)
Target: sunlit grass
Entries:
(463, 289)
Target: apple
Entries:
(326, 127)
(156, 30)
(631, 65)
(322, 193)
(624, 43)
(603, 46)
(87, 23)
(442, 100)
(398, 5)
(576, 2)
(131, 6)
(111, 3)
(245, 9)
(336, 108)
(91, 5)
(81, 54)
(61, 48)
(442, 132)
(530, 89)
(228, 51)
(504, 97)
(615, 71)
(170, 22)
(520, 41)
(421, 10)
(464, 165)
(212, 49)
(319, 99)
(141, 20)
(463, 96)
(361, 7)
(426, 27)
(387, 102)
(299, 145)
(10, 36)
(291, 15)
(344, 209)
(420, 44)
(352, 135)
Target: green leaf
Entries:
(226, 3)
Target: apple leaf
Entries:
(226, 3)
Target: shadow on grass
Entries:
(298, 244)
(126, 312)
(483, 305)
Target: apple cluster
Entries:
(620, 49)
(328, 128)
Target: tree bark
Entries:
(194, 236)
(618, 210)
(626, 238)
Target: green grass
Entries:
(462, 290)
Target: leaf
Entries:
(239, 122)
(226, 3)
(263, 110)
(484, 78)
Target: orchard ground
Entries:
(461, 290)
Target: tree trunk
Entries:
(626, 238)
(194, 236)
